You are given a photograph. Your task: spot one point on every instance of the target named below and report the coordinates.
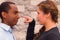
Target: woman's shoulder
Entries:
(53, 33)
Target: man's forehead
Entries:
(13, 6)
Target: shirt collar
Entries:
(5, 27)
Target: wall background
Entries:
(28, 8)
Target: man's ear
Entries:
(4, 14)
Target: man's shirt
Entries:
(6, 32)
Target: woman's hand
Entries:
(28, 19)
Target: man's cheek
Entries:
(13, 19)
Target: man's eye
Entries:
(15, 13)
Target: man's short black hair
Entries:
(4, 7)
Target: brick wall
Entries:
(27, 8)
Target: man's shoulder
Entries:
(2, 32)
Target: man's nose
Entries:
(18, 16)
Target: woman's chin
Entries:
(40, 23)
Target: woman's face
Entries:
(41, 16)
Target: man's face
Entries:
(12, 15)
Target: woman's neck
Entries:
(49, 25)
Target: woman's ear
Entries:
(4, 14)
(48, 15)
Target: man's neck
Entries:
(6, 23)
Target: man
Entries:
(9, 16)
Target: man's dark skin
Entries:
(11, 17)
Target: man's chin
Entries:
(14, 24)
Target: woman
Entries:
(48, 17)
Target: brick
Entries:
(37, 28)
(34, 15)
(35, 2)
(31, 8)
(1, 1)
(21, 8)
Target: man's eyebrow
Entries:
(17, 11)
